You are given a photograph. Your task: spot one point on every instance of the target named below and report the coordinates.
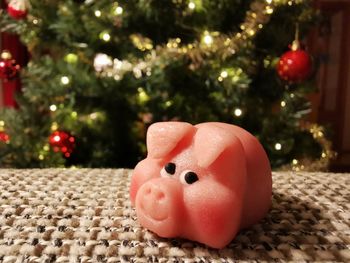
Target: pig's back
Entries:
(259, 182)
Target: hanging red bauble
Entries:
(63, 142)
(18, 9)
(4, 137)
(9, 69)
(295, 65)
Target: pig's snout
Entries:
(159, 206)
(154, 202)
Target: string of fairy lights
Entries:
(207, 45)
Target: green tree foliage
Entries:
(108, 110)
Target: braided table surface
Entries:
(84, 215)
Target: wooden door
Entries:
(332, 47)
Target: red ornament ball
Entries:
(18, 9)
(4, 137)
(16, 13)
(9, 69)
(63, 142)
(294, 66)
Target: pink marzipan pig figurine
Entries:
(202, 182)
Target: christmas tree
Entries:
(102, 71)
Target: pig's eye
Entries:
(169, 169)
(188, 177)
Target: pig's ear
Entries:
(210, 141)
(162, 137)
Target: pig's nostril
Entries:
(148, 191)
(160, 195)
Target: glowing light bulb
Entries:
(283, 103)
(269, 10)
(224, 74)
(191, 5)
(65, 80)
(295, 162)
(278, 146)
(102, 61)
(105, 36)
(93, 116)
(118, 10)
(208, 39)
(53, 107)
(143, 96)
(238, 112)
(54, 126)
(168, 103)
(251, 32)
(98, 13)
(5, 55)
(71, 58)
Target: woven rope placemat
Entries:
(84, 215)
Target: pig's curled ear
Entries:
(162, 137)
(210, 141)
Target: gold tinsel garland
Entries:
(219, 45)
(209, 44)
(314, 165)
(222, 46)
